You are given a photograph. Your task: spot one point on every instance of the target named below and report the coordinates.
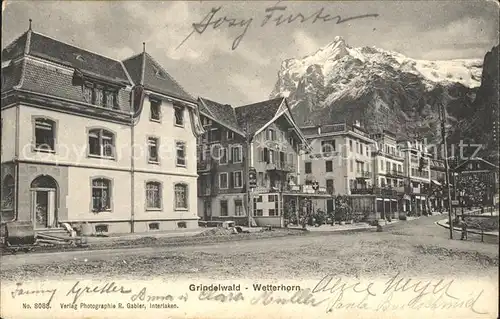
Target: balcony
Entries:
(280, 166)
(395, 173)
(387, 191)
(364, 175)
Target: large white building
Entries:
(87, 138)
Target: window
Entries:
(357, 147)
(238, 179)
(181, 225)
(222, 155)
(44, 134)
(223, 208)
(179, 115)
(270, 198)
(98, 96)
(308, 168)
(153, 150)
(181, 196)
(382, 182)
(329, 166)
(223, 182)
(229, 135)
(8, 191)
(236, 154)
(110, 99)
(329, 186)
(381, 164)
(180, 153)
(101, 143)
(238, 207)
(350, 145)
(88, 93)
(101, 229)
(153, 195)
(214, 135)
(258, 212)
(328, 146)
(400, 168)
(154, 226)
(271, 135)
(361, 146)
(272, 212)
(155, 110)
(101, 195)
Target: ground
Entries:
(417, 247)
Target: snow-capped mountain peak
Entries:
(339, 81)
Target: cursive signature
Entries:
(211, 20)
(301, 297)
(77, 291)
(337, 287)
(22, 292)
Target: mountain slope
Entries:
(381, 89)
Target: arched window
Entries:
(45, 134)
(101, 195)
(44, 181)
(181, 196)
(153, 195)
(8, 188)
(101, 143)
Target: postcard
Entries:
(249, 159)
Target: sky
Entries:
(207, 65)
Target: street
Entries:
(414, 247)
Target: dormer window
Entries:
(179, 115)
(155, 109)
(100, 95)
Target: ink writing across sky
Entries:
(275, 16)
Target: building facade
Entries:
(90, 139)
(262, 137)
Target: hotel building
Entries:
(91, 139)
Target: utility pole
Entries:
(247, 175)
(442, 117)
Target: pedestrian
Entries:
(464, 229)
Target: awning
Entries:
(436, 182)
(394, 200)
(387, 200)
(379, 199)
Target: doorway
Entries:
(44, 202)
(207, 209)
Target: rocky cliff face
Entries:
(482, 125)
(381, 89)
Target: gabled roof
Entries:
(44, 47)
(475, 159)
(222, 113)
(15, 49)
(253, 117)
(145, 70)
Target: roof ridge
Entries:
(169, 76)
(268, 100)
(132, 57)
(205, 104)
(15, 40)
(87, 50)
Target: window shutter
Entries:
(266, 155)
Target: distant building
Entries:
(79, 147)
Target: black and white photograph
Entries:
(250, 159)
